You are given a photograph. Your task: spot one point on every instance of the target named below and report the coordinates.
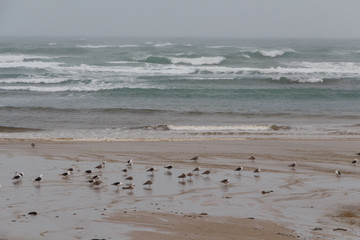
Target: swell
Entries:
(119, 111)
(6, 129)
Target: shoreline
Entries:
(303, 199)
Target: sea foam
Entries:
(198, 61)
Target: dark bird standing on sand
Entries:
(149, 182)
(257, 172)
(239, 169)
(195, 158)
(225, 181)
(38, 179)
(207, 172)
(293, 165)
(183, 176)
(18, 176)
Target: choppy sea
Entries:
(182, 88)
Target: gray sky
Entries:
(181, 18)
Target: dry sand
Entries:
(307, 202)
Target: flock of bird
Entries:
(95, 179)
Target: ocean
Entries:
(178, 89)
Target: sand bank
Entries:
(305, 202)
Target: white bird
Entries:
(338, 173)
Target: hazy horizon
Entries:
(195, 19)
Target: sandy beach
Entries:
(305, 202)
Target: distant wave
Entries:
(33, 80)
(184, 60)
(269, 53)
(166, 44)
(220, 128)
(107, 46)
(198, 61)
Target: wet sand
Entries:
(307, 202)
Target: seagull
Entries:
(257, 172)
(293, 165)
(96, 182)
(169, 167)
(96, 177)
(101, 165)
(207, 172)
(18, 176)
(239, 169)
(183, 176)
(338, 173)
(225, 181)
(252, 158)
(190, 174)
(151, 170)
(66, 174)
(130, 178)
(355, 161)
(149, 182)
(195, 158)
(129, 187)
(38, 179)
(117, 184)
(130, 162)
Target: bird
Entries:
(197, 169)
(124, 171)
(38, 179)
(101, 165)
(95, 177)
(18, 176)
(151, 170)
(355, 161)
(88, 172)
(130, 162)
(148, 182)
(252, 158)
(169, 167)
(117, 184)
(293, 165)
(32, 145)
(190, 174)
(239, 169)
(130, 178)
(195, 158)
(66, 174)
(70, 169)
(96, 182)
(257, 172)
(338, 173)
(129, 187)
(207, 172)
(225, 181)
(183, 176)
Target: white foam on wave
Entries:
(167, 44)
(107, 46)
(33, 80)
(81, 87)
(275, 52)
(220, 128)
(198, 61)
(9, 58)
(33, 64)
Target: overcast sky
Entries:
(181, 18)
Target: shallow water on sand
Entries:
(70, 207)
